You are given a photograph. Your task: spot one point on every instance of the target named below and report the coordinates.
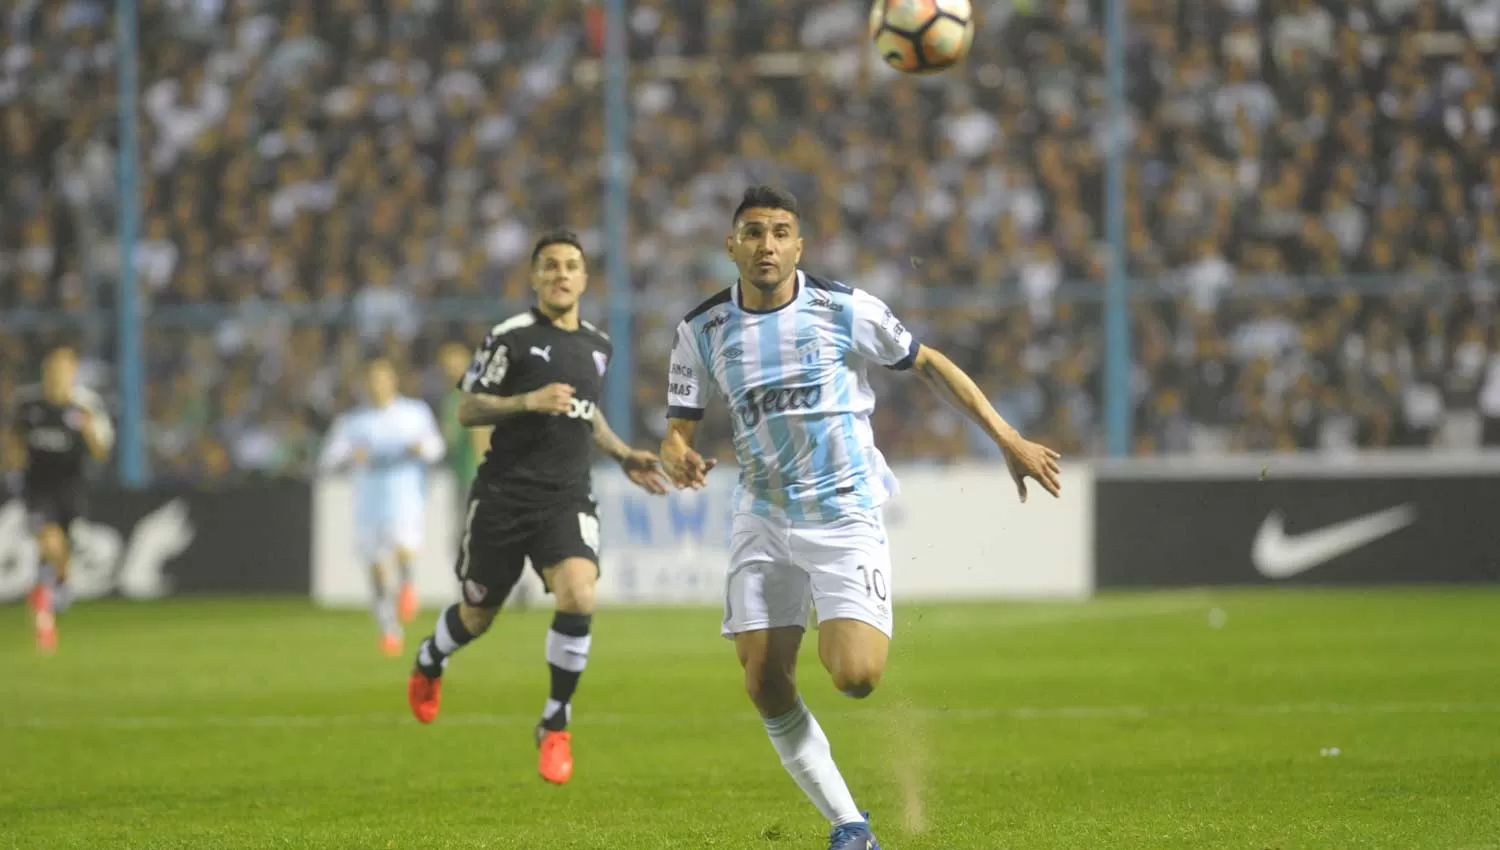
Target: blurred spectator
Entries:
(1312, 222)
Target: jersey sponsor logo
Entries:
(601, 362)
(892, 324)
(50, 439)
(544, 352)
(733, 352)
(759, 403)
(581, 408)
(683, 371)
(684, 390)
(821, 300)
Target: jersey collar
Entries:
(797, 286)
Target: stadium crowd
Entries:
(1310, 218)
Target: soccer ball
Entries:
(922, 36)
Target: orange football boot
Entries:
(406, 603)
(555, 756)
(44, 620)
(424, 694)
(392, 645)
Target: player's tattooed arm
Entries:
(476, 410)
(1024, 458)
(606, 439)
(642, 467)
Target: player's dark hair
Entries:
(766, 198)
(555, 237)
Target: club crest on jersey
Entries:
(807, 350)
(601, 362)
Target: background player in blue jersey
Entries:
(388, 442)
(788, 352)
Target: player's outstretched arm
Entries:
(642, 467)
(1025, 458)
(431, 446)
(98, 433)
(687, 469)
(338, 449)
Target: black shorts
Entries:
(53, 506)
(498, 539)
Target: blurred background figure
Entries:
(57, 428)
(388, 443)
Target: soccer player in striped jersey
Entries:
(388, 443)
(788, 352)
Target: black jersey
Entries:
(56, 452)
(537, 460)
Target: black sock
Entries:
(449, 637)
(567, 654)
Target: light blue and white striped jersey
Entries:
(399, 441)
(799, 395)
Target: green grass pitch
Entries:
(1133, 721)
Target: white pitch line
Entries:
(1022, 713)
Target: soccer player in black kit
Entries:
(58, 426)
(536, 379)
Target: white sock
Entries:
(385, 615)
(805, 754)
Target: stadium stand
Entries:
(1311, 220)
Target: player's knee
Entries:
(572, 582)
(52, 543)
(476, 620)
(857, 680)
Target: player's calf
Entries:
(52, 546)
(769, 657)
(457, 627)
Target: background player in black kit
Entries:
(537, 379)
(58, 427)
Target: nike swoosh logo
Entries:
(1277, 555)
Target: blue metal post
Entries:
(1117, 365)
(132, 452)
(620, 382)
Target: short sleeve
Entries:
(687, 394)
(487, 370)
(879, 336)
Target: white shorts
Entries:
(779, 568)
(376, 541)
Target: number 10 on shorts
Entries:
(875, 584)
